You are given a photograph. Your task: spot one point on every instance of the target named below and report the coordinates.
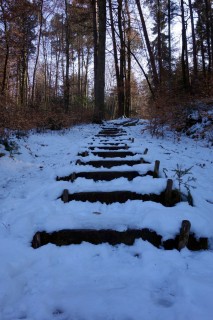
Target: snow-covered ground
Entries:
(102, 282)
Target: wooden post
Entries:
(73, 177)
(36, 243)
(184, 234)
(168, 192)
(156, 169)
(78, 162)
(145, 151)
(65, 196)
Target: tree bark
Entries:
(169, 42)
(99, 23)
(7, 50)
(117, 71)
(194, 47)
(128, 75)
(208, 40)
(38, 50)
(67, 54)
(184, 55)
(148, 45)
(121, 109)
(160, 68)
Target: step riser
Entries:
(113, 237)
(109, 164)
(120, 197)
(107, 176)
(109, 154)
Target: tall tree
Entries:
(184, 54)
(99, 25)
(148, 45)
(194, 46)
(67, 54)
(40, 19)
(5, 41)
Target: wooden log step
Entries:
(77, 236)
(117, 196)
(104, 175)
(106, 147)
(110, 143)
(111, 135)
(110, 163)
(113, 154)
(107, 132)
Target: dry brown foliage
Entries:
(167, 111)
(14, 118)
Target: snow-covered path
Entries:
(101, 282)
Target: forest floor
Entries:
(104, 282)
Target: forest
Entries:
(64, 62)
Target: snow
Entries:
(87, 282)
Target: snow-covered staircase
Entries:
(108, 159)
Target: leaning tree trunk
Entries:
(148, 45)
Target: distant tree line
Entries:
(58, 54)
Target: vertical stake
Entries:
(78, 162)
(73, 177)
(145, 151)
(36, 243)
(156, 169)
(65, 196)
(184, 234)
(168, 192)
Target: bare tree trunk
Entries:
(121, 107)
(207, 9)
(45, 71)
(95, 45)
(67, 54)
(128, 75)
(7, 51)
(38, 50)
(184, 56)
(194, 47)
(148, 45)
(99, 48)
(169, 41)
(117, 71)
(211, 24)
(160, 68)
